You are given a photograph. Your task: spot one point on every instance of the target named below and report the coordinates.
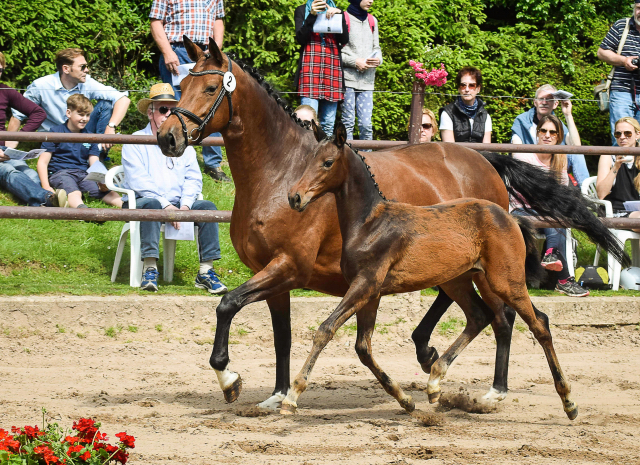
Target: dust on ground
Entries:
(153, 380)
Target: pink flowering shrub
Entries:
(435, 77)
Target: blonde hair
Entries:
(314, 115)
(633, 122)
(430, 114)
(2, 60)
(558, 160)
(80, 104)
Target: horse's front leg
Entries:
(360, 293)
(277, 278)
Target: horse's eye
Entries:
(210, 89)
(327, 164)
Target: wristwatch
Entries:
(112, 125)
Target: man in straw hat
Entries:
(172, 184)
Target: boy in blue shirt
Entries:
(64, 164)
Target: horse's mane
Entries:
(271, 91)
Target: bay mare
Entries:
(390, 247)
(266, 147)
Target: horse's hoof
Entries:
(408, 404)
(434, 397)
(432, 357)
(494, 395)
(572, 412)
(232, 393)
(288, 409)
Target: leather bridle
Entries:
(226, 76)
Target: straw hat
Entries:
(162, 92)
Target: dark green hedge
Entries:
(518, 45)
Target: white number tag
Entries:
(229, 81)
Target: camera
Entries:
(636, 62)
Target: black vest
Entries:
(461, 126)
(623, 190)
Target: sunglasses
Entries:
(471, 86)
(627, 134)
(552, 132)
(427, 126)
(84, 67)
(1, 70)
(163, 110)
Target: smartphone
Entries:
(628, 159)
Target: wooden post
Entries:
(415, 121)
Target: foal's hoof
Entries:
(430, 360)
(232, 393)
(571, 411)
(288, 409)
(434, 397)
(408, 404)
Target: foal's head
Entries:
(326, 169)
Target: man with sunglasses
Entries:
(51, 93)
(624, 98)
(172, 184)
(523, 130)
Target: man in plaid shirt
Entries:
(198, 20)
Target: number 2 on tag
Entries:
(229, 81)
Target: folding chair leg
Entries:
(119, 252)
(569, 252)
(635, 253)
(597, 257)
(168, 259)
(135, 275)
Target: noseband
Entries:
(228, 86)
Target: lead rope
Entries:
(369, 171)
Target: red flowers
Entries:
(87, 447)
(436, 77)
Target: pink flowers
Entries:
(436, 77)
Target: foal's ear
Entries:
(317, 131)
(194, 52)
(215, 52)
(340, 135)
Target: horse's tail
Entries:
(532, 267)
(546, 197)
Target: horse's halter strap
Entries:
(188, 136)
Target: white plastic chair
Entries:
(114, 180)
(614, 267)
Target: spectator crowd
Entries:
(335, 75)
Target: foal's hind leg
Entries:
(421, 335)
(366, 324)
(478, 314)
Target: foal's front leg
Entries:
(360, 293)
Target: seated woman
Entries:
(429, 126)
(550, 132)
(618, 176)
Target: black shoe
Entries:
(217, 174)
(551, 262)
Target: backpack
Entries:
(370, 18)
(591, 279)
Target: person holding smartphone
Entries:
(361, 56)
(320, 77)
(619, 176)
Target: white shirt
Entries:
(446, 123)
(172, 181)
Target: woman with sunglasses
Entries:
(466, 119)
(550, 132)
(619, 176)
(429, 128)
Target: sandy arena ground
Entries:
(156, 384)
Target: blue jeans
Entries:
(100, 117)
(212, 156)
(326, 111)
(209, 246)
(621, 105)
(23, 182)
(360, 103)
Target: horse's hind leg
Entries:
(366, 324)
(478, 314)
(421, 335)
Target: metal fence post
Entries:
(415, 121)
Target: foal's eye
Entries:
(210, 89)
(327, 164)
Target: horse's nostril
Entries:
(172, 141)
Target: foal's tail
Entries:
(548, 198)
(532, 267)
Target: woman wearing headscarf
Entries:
(320, 78)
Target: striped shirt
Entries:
(622, 78)
(193, 18)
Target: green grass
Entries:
(132, 329)
(451, 326)
(110, 331)
(159, 328)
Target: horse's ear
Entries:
(340, 134)
(194, 52)
(317, 131)
(215, 52)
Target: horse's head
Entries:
(205, 105)
(326, 170)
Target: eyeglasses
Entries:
(552, 132)
(170, 163)
(546, 99)
(427, 126)
(627, 134)
(471, 86)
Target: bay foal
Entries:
(391, 247)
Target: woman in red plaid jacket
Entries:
(320, 78)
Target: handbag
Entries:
(601, 91)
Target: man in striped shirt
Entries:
(198, 20)
(624, 98)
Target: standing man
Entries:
(625, 85)
(524, 129)
(51, 93)
(198, 20)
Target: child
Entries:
(64, 164)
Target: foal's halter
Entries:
(228, 86)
